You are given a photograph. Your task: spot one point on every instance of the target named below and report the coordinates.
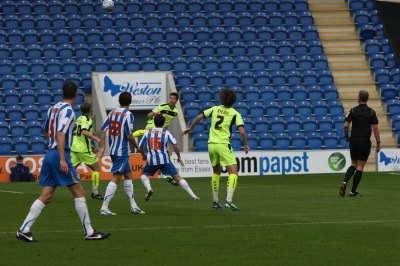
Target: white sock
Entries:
(215, 196)
(95, 190)
(229, 194)
(129, 192)
(83, 213)
(34, 212)
(146, 182)
(110, 191)
(186, 187)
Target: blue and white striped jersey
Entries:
(156, 140)
(60, 117)
(119, 123)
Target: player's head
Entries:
(85, 108)
(69, 90)
(173, 98)
(363, 96)
(228, 97)
(125, 98)
(20, 159)
(159, 120)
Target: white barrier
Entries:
(388, 160)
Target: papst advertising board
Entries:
(148, 89)
(388, 160)
(270, 163)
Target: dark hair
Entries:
(363, 96)
(174, 94)
(85, 108)
(228, 97)
(159, 120)
(20, 157)
(69, 90)
(125, 98)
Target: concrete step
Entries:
(354, 80)
(352, 73)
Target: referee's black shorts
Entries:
(360, 148)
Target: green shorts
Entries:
(83, 157)
(221, 154)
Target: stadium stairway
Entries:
(348, 63)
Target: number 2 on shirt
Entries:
(115, 128)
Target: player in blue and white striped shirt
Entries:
(156, 141)
(57, 169)
(119, 125)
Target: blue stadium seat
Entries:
(315, 47)
(211, 63)
(86, 7)
(18, 51)
(192, 109)
(309, 124)
(74, 78)
(183, 79)
(366, 32)
(11, 21)
(31, 113)
(14, 112)
(222, 48)
(314, 140)
(20, 145)
(116, 64)
(81, 50)
(278, 78)
(187, 94)
(283, 93)
(17, 128)
(262, 78)
(293, 124)
(30, 36)
(393, 107)
(110, 36)
(226, 63)
(152, 20)
(3, 113)
(112, 50)
(236, 142)
(271, 108)
(14, 36)
(294, 77)
(274, 63)
(258, 63)
(69, 66)
(107, 21)
(49, 51)
(5, 145)
(247, 78)
(172, 34)
(336, 108)
(388, 91)
(261, 124)
(310, 77)
(43, 97)
(43, 111)
(282, 141)
(277, 124)
(8, 7)
(266, 141)
(55, 81)
(325, 124)
(199, 78)
(288, 109)
(4, 129)
(315, 92)
(200, 142)
(148, 64)
(251, 93)
(320, 108)
(242, 108)
(290, 64)
(207, 48)
(21, 66)
(58, 21)
(325, 77)
(11, 96)
(228, 18)
(33, 51)
(66, 51)
(299, 92)
(231, 78)
(27, 96)
(299, 141)
(74, 21)
(269, 48)
(237, 48)
(256, 109)
(215, 78)
(217, 33)
(4, 51)
(280, 33)
(8, 82)
(179, 64)
(252, 140)
(176, 49)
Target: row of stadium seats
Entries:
(273, 108)
(264, 93)
(155, 34)
(30, 112)
(280, 141)
(135, 6)
(40, 96)
(23, 145)
(149, 20)
(159, 49)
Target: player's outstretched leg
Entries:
(185, 186)
(231, 186)
(146, 182)
(129, 192)
(215, 190)
(110, 191)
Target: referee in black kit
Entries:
(363, 118)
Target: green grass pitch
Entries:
(284, 220)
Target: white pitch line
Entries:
(220, 226)
(10, 191)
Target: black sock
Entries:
(356, 180)
(349, 173)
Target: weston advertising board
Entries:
(148, 89)
(388, 160)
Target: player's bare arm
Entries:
(61, 151)
(195, 121)
(178, 153)
(90, 136)
(346, 131)
(100, 153)
(244, 138)
(377, 137)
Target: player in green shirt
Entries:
(168, 110)
(219, 147)
(82, 150)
